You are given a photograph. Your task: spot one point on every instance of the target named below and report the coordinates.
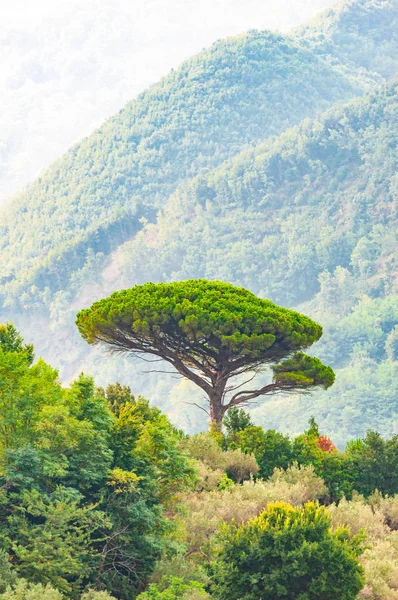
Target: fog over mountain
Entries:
(67, 66)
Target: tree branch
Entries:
(232, 388)
(250, 394)
(198, 406)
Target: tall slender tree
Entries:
(213, 333)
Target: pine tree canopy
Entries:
(210, 331)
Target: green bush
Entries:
(205, 448)
(239, 503)
(7, 576)
(173, 588)
(24, 590)
(288, 553)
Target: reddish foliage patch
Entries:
(326, 444)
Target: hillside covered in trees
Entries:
(359, 34)
(235, 167)
(239, 91)
(63, 75)
(308, 220)
(235, 228)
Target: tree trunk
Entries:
(217, 411)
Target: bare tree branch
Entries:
(198, 406)
(250, 394)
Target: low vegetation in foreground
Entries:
(101, 496)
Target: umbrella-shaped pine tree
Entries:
(211, 332)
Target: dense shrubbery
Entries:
(343, 472)
(23, 590)
(288, 553)
(83, 483)
(170, 588)
(100, 496)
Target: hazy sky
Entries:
(66, 66)
(17, 13)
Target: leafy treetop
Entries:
(12, 341)
(288, 553)
(209, 331)
(227, 321)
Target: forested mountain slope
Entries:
(239, 91)
(359, 33)
(66, 68)
(277, 216)
(308, 220)
(184, 183)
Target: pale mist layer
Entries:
(68, 66)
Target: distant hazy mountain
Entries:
(238, 92)
(362, 34)
(186, 181)
(62, 75)
(308, 220)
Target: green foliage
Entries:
(365, 455)
(51, 539)
(67, 429)
(157, 450)
(305, 251)
(235, 420)
(95, 485)
(117, 396)
(179, 565)
(95, 595)
(251, 439)
(357, 33)
(12, 341)
(173, 588)
(270, 448)
(308, 256)
(381, 570)
(7, 574)
(359, 516)
(89, 404)
(204, 512)
(98, 491)
(24, 391)
(205, 448)
(274, 451)
(147, 197)
(209, 331)
(303, 371)
(238, 91)
(144, 442)
(23, 590)
(216, 315)
(83, 487)
(354, 469)
(288, 553)
(236, 464)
